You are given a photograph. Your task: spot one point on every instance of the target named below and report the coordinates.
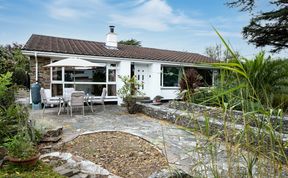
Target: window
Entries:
(111, 75)
(57, 73)
(91, 80)
(170, 76)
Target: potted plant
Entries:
(129, 91)
(157, 99)
(21, 150)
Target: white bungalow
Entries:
(157, 69)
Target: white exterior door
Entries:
(141, 73)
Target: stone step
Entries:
(80, 175)
(68, 172)
(98, 176)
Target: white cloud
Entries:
(64, 13)
(153, 15)
(74, 9)
(225, 34)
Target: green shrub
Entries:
(20, 77)
(7, 90)
(20, 146)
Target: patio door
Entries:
(140, 71)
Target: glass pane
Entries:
(111, 75)
(69, 74)
(95, 90)
(98, 74)
(112, 90)
(56, 73)
(57, 89)
(69, 86)
(171, 76)
(85, 74)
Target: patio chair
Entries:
(76, 101)
(47, 100)
(93, 100)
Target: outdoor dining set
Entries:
(71, 99)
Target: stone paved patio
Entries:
(179, 145)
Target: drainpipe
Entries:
(36, 66)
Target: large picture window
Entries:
(91, 80)
(170, 76)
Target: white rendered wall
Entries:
(169, 93)
(123, 69)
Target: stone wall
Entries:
(43, 72)
(197, 121)
(280, 124)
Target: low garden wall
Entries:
(279, 124)
(201, 118)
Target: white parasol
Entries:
(75, 62)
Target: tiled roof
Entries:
(82, 47)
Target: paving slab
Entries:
(184, 149)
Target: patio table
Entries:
(62, 103)
(64, 100)
(90, 99)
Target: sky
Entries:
(183, 25)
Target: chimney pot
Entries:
(111, 28)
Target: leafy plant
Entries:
(6, 90)
(249, 86)
(157, 98)
(129, 91)
(20, 146)
(130, 87)
(190, 81)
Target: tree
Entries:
(12, 60)
(218, 53)
(269, 79)
(130, 42)
(267, 28)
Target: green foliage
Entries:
(5, 81)
(269, 79)
(129, 91)
(12, 60)
(20, 146)
(132, 42)
(20, 77)
(268, 28)
(255, 135)
(6, 90)
(13, 117)
(130, 87)
(40, 170)
(12, 120)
